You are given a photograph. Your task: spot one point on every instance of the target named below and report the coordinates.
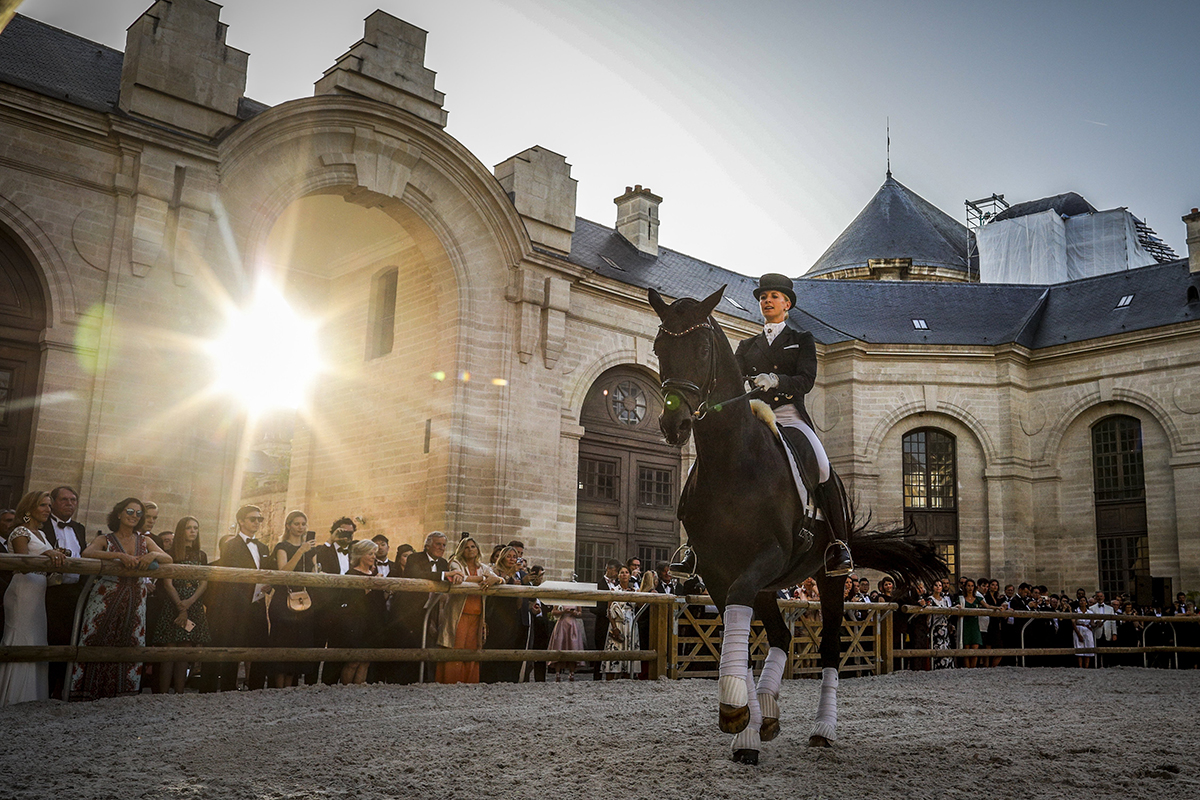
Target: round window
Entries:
(628, 403)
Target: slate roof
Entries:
(59, 64)
(53, 62)
(882, 312)
(898, 223)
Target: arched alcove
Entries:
(23, 315)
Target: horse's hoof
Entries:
(818, 741)
(769, 729)
(734, 719)
(746, 757)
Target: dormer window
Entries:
(1125, 301)
(920, 325)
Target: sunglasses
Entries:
(134, 511)
(256, 519)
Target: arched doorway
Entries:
(629, 477)
(22, 319)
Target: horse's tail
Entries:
(897, 552)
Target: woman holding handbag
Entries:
(291, 610)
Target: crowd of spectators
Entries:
(128, 611)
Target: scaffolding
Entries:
(979, 213)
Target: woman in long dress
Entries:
(622, 631)
(184, 621)
(567, 635)
(291, 628)
(115, 615)
(462, 620)
(939, 627)
(25, 604)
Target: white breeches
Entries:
(786, 415)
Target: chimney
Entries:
(637, 218)
(539, 183)
(1193, 240)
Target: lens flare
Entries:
(268, 355)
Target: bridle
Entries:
(680, 386)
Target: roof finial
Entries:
(889, 146)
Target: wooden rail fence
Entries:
(684, 640)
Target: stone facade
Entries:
(142, 223)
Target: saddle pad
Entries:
(764, 412)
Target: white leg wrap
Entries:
(748, 739)
(826, 724)
(772, 674)
(769, 705)
(735, 652)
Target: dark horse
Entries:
(742, 513)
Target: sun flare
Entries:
(268, 355)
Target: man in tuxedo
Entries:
(332, 559)
(382, 564)
(665, 583)
(781, 362)
(430, 564)
(64, 533)
(242, 607)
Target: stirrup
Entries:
(838, 561)
(685, 568)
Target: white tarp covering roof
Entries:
(1045, 248)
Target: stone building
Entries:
(490, 353)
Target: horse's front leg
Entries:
(766, 606)
(832, 607)
(732, 691)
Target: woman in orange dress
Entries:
(462, 619)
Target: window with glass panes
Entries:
(1119, 485)
(599, 479)
(930, 490)
(656, 487)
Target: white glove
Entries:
(766, 380)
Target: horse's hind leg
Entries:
(771, 679)
(832, 606)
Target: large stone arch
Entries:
(1109, 395)
(1069, 541)
(894, 417)
(972, 460)
(46, 260)
(468, 237)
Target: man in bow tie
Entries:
(332, 559)
(238, 613)
(64, 533)
(781, 362)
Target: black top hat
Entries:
(780, 283)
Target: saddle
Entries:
(804, 467)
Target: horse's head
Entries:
(687, 362)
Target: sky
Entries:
(763, 124)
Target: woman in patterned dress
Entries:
(183, 622)
(115, 615)
(622, 631)
(939, 626)
(25, 603)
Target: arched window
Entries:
(1120, 494)
(381, 314)
(931, 490)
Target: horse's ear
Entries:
(710, 302)
(657, 303)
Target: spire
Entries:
(889, 146)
